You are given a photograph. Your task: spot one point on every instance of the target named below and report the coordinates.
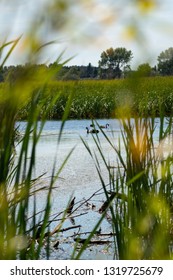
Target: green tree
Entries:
(144, 70)
(113, 61)
(165, 62)
(91, 71)
(73, 73)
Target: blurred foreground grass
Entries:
(22, 231)
(139, 197)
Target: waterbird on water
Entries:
(104, 126)
(101, 126)
(92, 130)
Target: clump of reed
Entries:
(23, 227)
(139, 196)
(142, 221)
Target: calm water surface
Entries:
(79, 174)
(78, 178)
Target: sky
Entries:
(82, 30)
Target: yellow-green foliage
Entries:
(106, 98)
(27, 97)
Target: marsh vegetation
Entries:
(95, 99)
(137, 200)
(136, 204)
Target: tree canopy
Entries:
(112, 62)
(165, 62)
(144, 70)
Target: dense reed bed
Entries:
(103, 98)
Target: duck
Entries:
(92, 130)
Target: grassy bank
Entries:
(106, 98)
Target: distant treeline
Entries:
(113, 64)
(12, 73)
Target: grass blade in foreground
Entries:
(141, 208)
(18, 232)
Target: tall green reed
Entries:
(139, 194)
(23, 228)
(144, 223)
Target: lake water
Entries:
(78, 178)
(79, 173)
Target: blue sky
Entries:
(94, 26)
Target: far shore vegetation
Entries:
(144, 96)
(98, 92)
